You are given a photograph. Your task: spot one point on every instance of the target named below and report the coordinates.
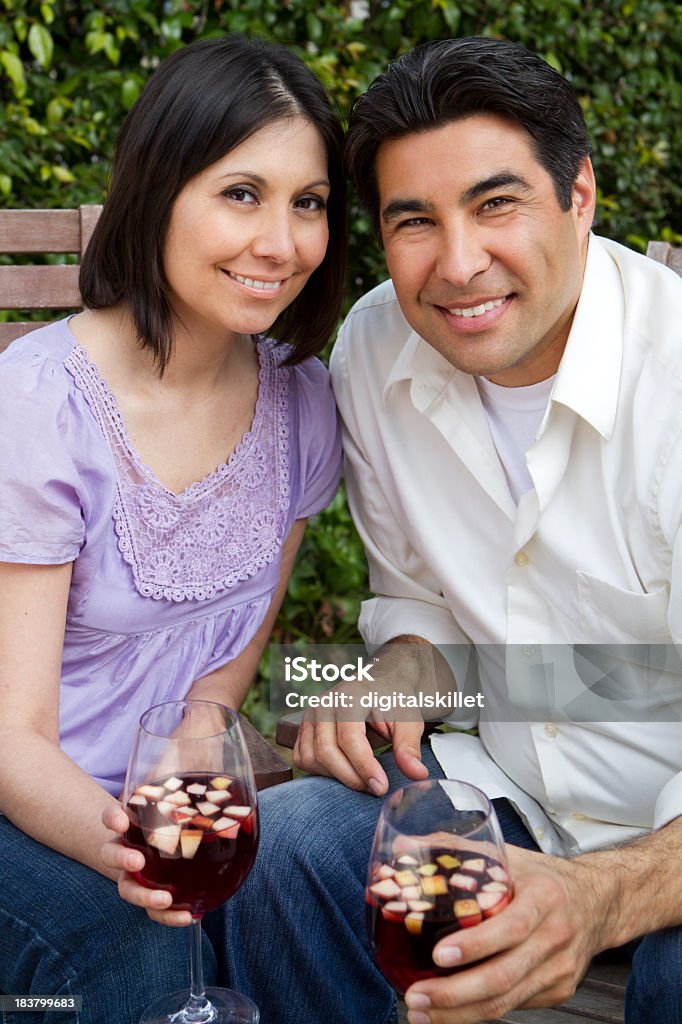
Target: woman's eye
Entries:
(311, 203)
(240, 195)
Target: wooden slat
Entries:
(89, 215)
(664, 252)
(29, 287)
(268, 766)
(9, 332)
(40, 231)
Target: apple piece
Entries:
(227, 828)
(173, 784)
(179, 798)
(475, 864)
(165, 839)
(386, 889)
(394, 910)
(218, 796)
(448, 862)
(165, 808)
(414, 921)
(182, 815)
(237, 811)
(465, 882)
(427, 870)
(199, 821)
(218, 826)
(404, 878)
(137, 800)
(468, 913)
(422, 906)
(385, 871)
(206, 808)
(152, 792)
(221, 782)
(494, 887)
(189, 842)
(501, 900)
(197, 789)
(412, 892)
(407, 861)
(497, 873)
(435, 886)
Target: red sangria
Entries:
(199, 837)
(438, 864)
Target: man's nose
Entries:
(463, 254)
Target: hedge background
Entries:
(70, 69)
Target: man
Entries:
(512, 409)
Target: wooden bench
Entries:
(30, 287)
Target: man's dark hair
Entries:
(202, 102)
(444, 81)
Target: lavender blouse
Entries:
(166, 587)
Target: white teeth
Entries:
(250, 282)
(485, 307)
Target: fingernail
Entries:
(160, 899)
(418, 1018)
(376, 788)
(417, 1001)
(448, 957)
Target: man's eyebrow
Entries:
(398, 207)
(502, 180)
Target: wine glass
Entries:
(190, 795)
(438, 864)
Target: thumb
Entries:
(407, 749)
(115, 818)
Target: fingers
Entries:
(342, 751)
(155, 901)
(115, 818)
(406, 738)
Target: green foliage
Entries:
(70, 69)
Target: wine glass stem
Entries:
(198, 1009)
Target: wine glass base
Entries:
(227, 1007)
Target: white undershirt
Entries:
(514, 416)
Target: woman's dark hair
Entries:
(202, 102)
(444, 81)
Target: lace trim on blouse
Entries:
(219, 531)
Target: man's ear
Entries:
(584, 196)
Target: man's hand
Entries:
(539, 947)
(117, 856)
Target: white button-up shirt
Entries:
(585, 740)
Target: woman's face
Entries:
(247, 232)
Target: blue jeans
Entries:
(293, 938)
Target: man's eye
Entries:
(240, 194)
(414, 222)
(497, 203)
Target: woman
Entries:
(161, 459)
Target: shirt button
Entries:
(528, 650)
(579, 816)
(551, 730)
(539, 834)
(521, 558)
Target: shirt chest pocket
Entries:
(609, 614)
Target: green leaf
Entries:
(41, 44)
(130, 90)
(14, 70)
(47, 13)
(20, 29)
(5, 184)
(62, 174)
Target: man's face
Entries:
(486, 265)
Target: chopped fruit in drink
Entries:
(221, 782)
(404, 878)
(465, 882)
(497, 873)
(468, 913)
(407, 861)
(189, 842)
(152, 792)
(218, 796)
(385, 871)
(394, 910)
(179, 798)
(387, 889)
(412, 892)
(237, 811)
(196, 789)
(494, 887)
(138, 800)
(181, 815)
(492, 902)
(448, 862)
(165, 839)
(421, 906)
(427, 870)
(206, 808)
(201, 822)
(218, 826)
(435, 886)
(414, 922)
(476, 864)
(166, 808)
(173, 783)
(227, 831)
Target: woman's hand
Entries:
(123, 860)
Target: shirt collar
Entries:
(589, 374)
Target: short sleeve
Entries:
(319, 438)
(41, 519)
